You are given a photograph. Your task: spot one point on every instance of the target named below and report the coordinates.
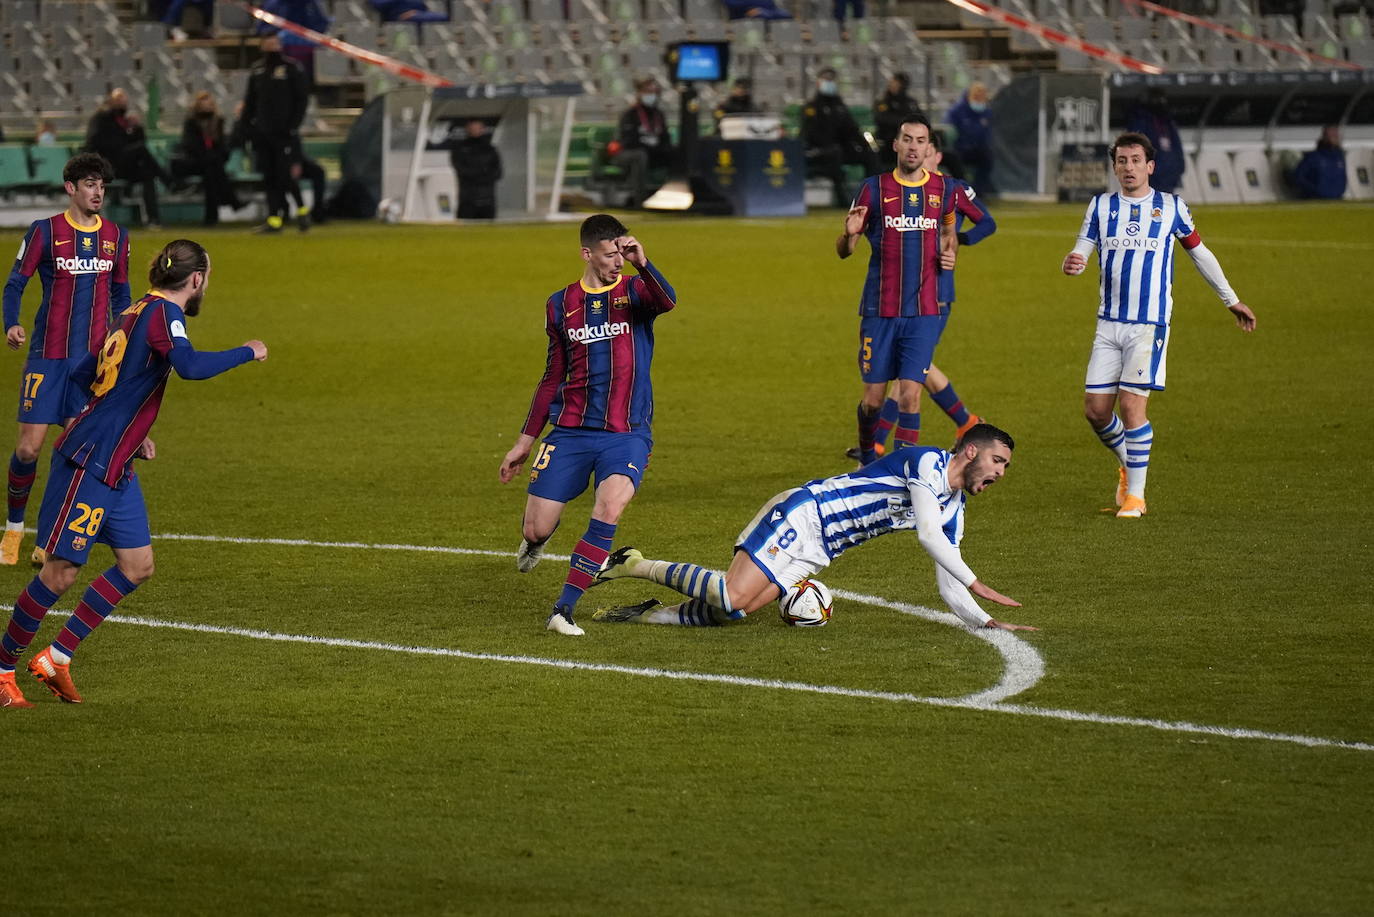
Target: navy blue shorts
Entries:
(899, 348)
(79, 510)
(569, 458)
(47, 393)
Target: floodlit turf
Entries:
(216, 772)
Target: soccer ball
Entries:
(389, 211)
(807, 604)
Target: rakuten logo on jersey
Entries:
(590, 334)
(905, 223)
(85, 265)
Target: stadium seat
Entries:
(14, 169)
(1254, 177)
(1359, 168)
(46, 164)
(1216, 178)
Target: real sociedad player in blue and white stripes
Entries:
(1133, 232)
(800, 531)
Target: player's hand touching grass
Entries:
(984, 591)
(1074, 263)
(15, 337)
(1244, 317)
(1007, 625)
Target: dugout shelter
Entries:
(419, 126)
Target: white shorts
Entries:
(784, 539)
(1129, 356)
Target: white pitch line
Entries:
(1023, 668)
(746, 682)
(977, 701)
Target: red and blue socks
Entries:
(949, 402)
(29, 610)
(587, 558)
(20, 484)
(908, 430)
(868, 429)
(887, 419)
(100, 599)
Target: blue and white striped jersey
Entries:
(876, 499)
(1135, 248)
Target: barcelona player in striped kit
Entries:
(980, 226)
(908, 217)
(82, 261)
(799, 532)
(1133, 232)
(93, 494)
(597, 394)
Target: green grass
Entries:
(210, 772)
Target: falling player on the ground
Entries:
(800, 531)
(82, 260)
(93, 494)
(597, 394)
(1133, 231)
(936, 382)
(908, 216)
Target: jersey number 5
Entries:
(111, 356)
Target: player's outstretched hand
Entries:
(1244, 317)
(1007, 625)
(1074, 263)
(984, 591)
(259, 350)
(854, 219)
(632, 250)
(15, 337)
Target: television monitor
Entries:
(700, 61)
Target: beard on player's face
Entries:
(192, 307)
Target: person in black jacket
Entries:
(117, 134)
(644, 140)
(831, 138)
(273, 109)
(478, 165)
(889, 111)
(203, 151)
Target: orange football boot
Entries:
(57, 678)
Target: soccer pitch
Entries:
(336, 695)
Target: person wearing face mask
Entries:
(46, 135)
(973, 136)
(644, 140)
(117, 134)
(272, 112)
(889, 111)
(308, 13)
(831, 137)
(204, 152)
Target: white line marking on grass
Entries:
(990, 700)
(1022, 669)
(1072, 716)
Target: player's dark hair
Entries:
(1131, 138)
(985, 434)
(87, 165)
(175, 264)
(826, 73)
(601, 227)
(916, 118)
(937, 140)
(902, 80)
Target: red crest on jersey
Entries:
(934, 199)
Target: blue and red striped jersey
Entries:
(966, 206)
(131, 376)
(903, 230)
(85, 275)
(601, 342)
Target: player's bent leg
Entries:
(748, 586)
(540, 522)
(908, 432)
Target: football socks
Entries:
(1113, 436)
(949, 402)
(100, 599)
(908, 430)
(21, 482)
(587, 558)
(868, 428)
(692, 581)
(692, 613)
(887, 419)
(1138, 443)
(29, 610)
